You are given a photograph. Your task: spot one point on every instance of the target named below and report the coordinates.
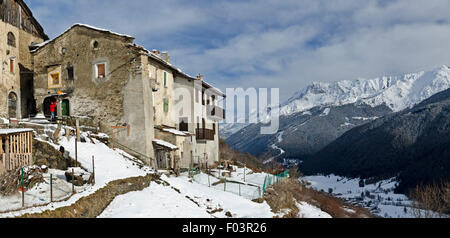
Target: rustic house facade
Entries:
(129, 92)
(18, 30)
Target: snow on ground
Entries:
(325, 112)
(309, 211)
(110, 165)
(184, 198)
(40, 194)
(379, 197)
(238, 206)
(156, 201)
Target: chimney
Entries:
(165, 56)
(156, 52)
(200, 77)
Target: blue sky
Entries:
(285, 44)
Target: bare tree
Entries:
(431, 201)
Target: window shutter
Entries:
(166, 104)
(165, 79)
(101, 71)
(11, 65)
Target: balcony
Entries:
(204, 134)
(216, 112)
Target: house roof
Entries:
(38, 26)
(165, 144)
(36, 47)
(178, 70)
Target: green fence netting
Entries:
(273, 179)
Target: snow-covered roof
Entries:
(38, 46)
(102, 30)
(14, 131)
(159, 59)
(165, 144)
(175, 132)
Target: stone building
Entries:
(127, 90)
(18, 30)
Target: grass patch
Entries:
(285, 194)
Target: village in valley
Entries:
(94, 125)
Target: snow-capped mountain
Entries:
(322, 112)
(398, 92)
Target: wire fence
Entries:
(249, 188)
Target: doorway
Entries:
(161, 159)
(12, 105)
(46, 105)
(65, 107)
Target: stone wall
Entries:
(122, 98)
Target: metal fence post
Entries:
(23, 191)
(51, 187)
(207, 169)
(93, 170)
(73, 181)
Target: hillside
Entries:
(226, 153)
(413, 144)
(302, 134)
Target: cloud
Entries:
(271, 43)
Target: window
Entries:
(166, 105)
(165, 79)
(11, 65)
(184, 124)
(101, 70)
(196, 96)
(11, 39)
(70, 73)
(203, 98)
(95, 45)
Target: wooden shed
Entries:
(17, 149)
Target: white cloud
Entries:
(272, 43)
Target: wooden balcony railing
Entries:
(204, 134)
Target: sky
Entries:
(285, 44)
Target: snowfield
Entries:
(110, 165)
(194, 198)
(379, 197)
(156, 201)
(172, 197)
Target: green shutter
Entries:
(165, 79)
(166, 105)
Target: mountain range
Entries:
(322, 112)
(412, 145)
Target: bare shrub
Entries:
(431, 201)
